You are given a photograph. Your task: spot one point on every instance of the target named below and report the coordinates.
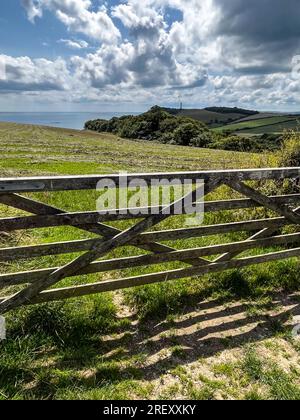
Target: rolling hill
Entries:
(276, 125)
(241, 121)
(214, 116)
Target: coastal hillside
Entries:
(241, 121)
(165, 125)
(214, 116)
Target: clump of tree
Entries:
(271, 142)
(254, 144)
(235, 143)
(156, 124)
(159, 125)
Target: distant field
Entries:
(259, 116)
(262, 125)
(209, 117)
(237, 120)
(293, 124)
(214, 116)
(256, 123)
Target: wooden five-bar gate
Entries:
(38, 285)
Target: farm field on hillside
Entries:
(260, 116)
(184, 339)
(209, 117)
(30, 150)
(293, 124)
(214, 116)
(257, 123)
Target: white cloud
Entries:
(32, 8)
(150, 56)
(247, 57)
(77, 44)
(77, 16)
(25, 74)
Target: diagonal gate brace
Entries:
(100, 248)
(284, 210)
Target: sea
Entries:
(74, 120)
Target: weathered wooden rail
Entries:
(38, 284)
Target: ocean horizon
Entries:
(73, 120)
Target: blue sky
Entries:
(19, 37)
(86, 55)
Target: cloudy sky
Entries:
(125, 55)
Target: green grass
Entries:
(279, 385)
(274, 128)
(29, 150)
(82, 348)
(272, 124)
(209, 117)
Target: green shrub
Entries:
(289, 155)
(97, 125)
(270, 141)
(167, 138)
(185, 133)
(169, 125)
(236, 143)
(202, 140)
(135, 129)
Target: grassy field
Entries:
(261, 123)
(36, 150)
(225, 336)
(278, 128)
(210, 118)
(213, 117)
(259, 116)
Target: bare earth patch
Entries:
(198, 354)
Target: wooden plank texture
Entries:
(38, 208)
(33, 251)
(138, 235)
(112, 285)
(89, 182)
(145, 260)
(101, 248)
